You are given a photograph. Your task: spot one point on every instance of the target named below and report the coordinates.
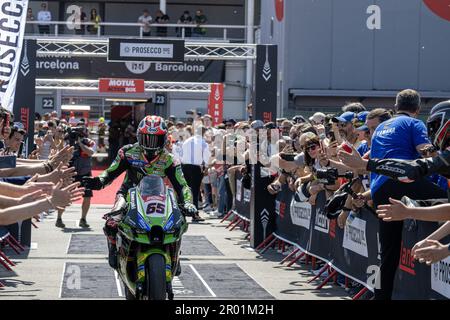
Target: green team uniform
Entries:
(131, 159)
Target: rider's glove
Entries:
(92, 183)
(190, 209)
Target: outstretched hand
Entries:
(396, 211)
(352, 160)
(432, 251)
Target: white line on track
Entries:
(203, 281)
(62, 281)
(119, 287)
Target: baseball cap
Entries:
(257, 124)
(298, 119)
(345, 117)
(361, 118)
(318, 117)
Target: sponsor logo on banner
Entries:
(138, 67)
(264, 221)
(301, 214)
(322, 222)
(238, 190)
(146, 50)
(267, 69)
(121, 86)
(12, 20)
(440, 277)
(124, 49)
(355, 237)
(282, 209)
(247, 195)
(407, 260)
(57, 64)
(25, 64)
(266, 83)
(215, 103)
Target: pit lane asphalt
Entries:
(216, 264)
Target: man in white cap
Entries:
(317, 118)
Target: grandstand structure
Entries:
(70, 63)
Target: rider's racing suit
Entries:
(131, 159)
(406, 171)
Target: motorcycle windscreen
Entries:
(152, 185)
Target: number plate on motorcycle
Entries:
(155, 208)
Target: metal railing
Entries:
(108, 29)
(65, 47)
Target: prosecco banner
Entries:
(12, 26)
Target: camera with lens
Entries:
(329, 176)
(72, 136)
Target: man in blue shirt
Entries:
(402, 137)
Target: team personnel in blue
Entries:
(402, 137)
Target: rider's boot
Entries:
(110, 232)
(112, 256)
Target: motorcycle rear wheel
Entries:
(156, 277)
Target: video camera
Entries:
(329, 176)
(73, 134)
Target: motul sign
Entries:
(121, 86)
(215, 105)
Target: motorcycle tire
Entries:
(156, 277)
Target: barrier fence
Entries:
(353, 251)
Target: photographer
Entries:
(311, 185)
(84, 149)
(373, 119)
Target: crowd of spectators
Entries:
(82, 22)
(325, 153)
(36, 184)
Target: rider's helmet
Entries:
(152, 135)
(438, 125)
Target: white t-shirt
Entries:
(145, 20)
(44, 16)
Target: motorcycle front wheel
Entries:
(156, 277)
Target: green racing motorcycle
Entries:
(148, 241)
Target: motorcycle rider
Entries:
(147, 156)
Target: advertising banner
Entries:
(145, 50)
(215, 103)
(25, 93)
(96, 67)
(266, 83)
(13, 15)
(121, 85)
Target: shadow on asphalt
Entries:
(76, 230)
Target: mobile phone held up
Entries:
(346, 147)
